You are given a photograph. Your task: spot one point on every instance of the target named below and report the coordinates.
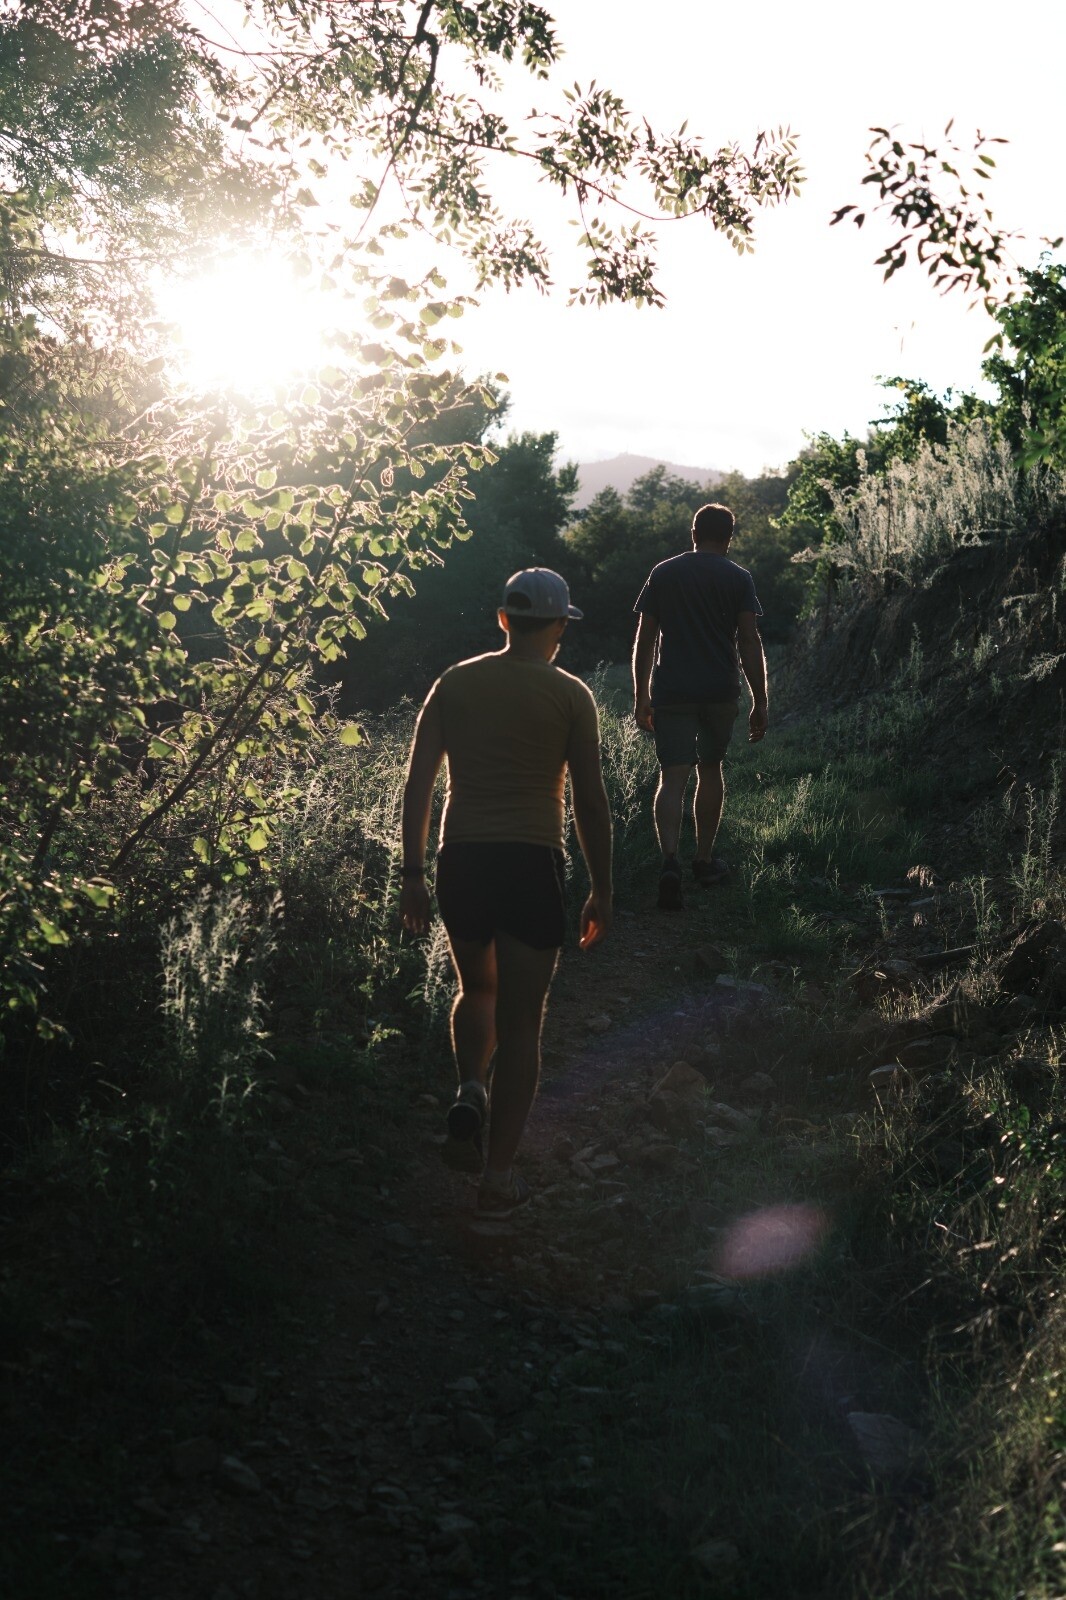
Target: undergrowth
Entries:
(914, 513)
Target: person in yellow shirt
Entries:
(511, 725)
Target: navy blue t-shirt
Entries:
(697, 598)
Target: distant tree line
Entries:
(522, 514)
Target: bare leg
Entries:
(524, 975)
(707, 806)
(474, 1011)
(669, 806)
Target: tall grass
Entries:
(214, 958)
(1015, 835)
(630, 772)
(910, 515)
(1034, 871)
(972, 1170)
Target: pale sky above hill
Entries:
(752, 352)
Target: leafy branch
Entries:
(939, 202)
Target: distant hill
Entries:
(621, 472)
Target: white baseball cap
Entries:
(538, 592)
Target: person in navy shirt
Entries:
(698, 632)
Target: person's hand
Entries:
(643, 713)
(595, 920)
(415, 911)
(756, 724)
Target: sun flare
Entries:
(248, 323)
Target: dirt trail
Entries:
(409, 1442)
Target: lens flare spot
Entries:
(773, 1239)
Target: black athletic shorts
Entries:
(486, 889)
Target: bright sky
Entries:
(753, 351)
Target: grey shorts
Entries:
(698, 731)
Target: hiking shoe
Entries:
(462, 1150)
(670, 896)
(708, 874)
(497, 1202)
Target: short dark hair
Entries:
(713, 524)
(525, 625)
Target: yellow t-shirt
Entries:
(507, 727)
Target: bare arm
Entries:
(753, 661)
(592, 819)
(643, 661)
(427, 753)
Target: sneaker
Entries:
(670, 896)
(462, 1150)
(709, 874)
(497, 1202)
